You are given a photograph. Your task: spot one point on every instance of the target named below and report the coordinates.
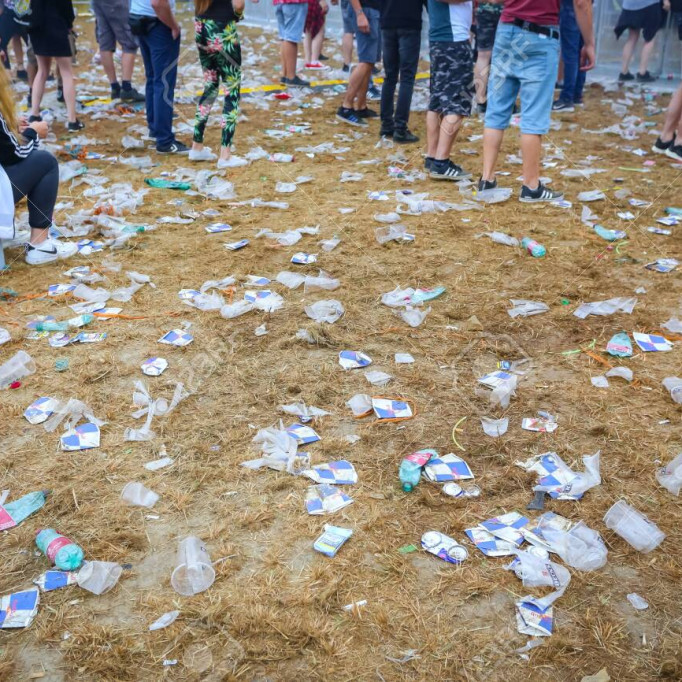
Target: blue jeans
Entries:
(401, 58)
(571, 44)
(160, 55)
(522, 62)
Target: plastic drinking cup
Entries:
(194, 572)
(635, 528)
(134, 493)
(98, 577)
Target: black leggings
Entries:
(37, 178)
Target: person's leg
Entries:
(146, 53)
(629, 49)
(645, 56)
(347, 48)
(209, 66)
(409, 43)
(492, 142)
(369, 48)
(358, 80)
(68, 87)
(673, 117)
(349, 30)
(481, 70)
(231, 75)
(106, 40)
(391, 49)
(308, 47)
(433, 119)
(289, 52)
(38, 90)
(37, 178)
(107, 60)
(316, 45)
(570, 51)
(164, 54)
(127, 66)
(531, 147)
(449, 127)
(18, 49)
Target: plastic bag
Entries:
(580, 547)
(328, 311)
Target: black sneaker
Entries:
(324, 58)
(622, 77)
(283, 80)
(116, 92)
(645, 77)
(405, 136)
(32, 119)
(661, 147)
(486, 184)
(444, 169)
(60, 95)
(346, 68)
(351, 117)
(373, 93)
(75, 126)
(296, 82)
(427, 163)
(132, 95)
(22, 74)
(386, 132)
(566, 107)
(481, 107)
(175, 147)
(675, 152)
(541, 193)
(366, 113)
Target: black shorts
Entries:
(487, 18)
(677, 21)
(452, 78)
(649, 20)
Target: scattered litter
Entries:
(637, 602)
(444, 547)
(331, 540)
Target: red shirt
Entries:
(543, 12)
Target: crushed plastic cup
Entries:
(99, 577)
(136, 495)
(194, 572)
(18, 366)
(635, 528)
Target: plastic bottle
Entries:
(411, 468)
(74, 322)
(65, 554)
(534, 248)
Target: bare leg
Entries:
(449, 127)
(64, 65)
(347, 48)
(481, 71)
(360, 76)
(44, 64)
(316, 45)
(18, 48)
(492, 141)
(288, 53)
(644, 57)
(127, 66)
(307, 47)
(107, 59)
(673, 117)
(432, 132)
(531, 146)
(361, 95)
(629, 49)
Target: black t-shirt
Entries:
(219, 10)
(402, 14)
(372, 4)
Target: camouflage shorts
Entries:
(452, 78)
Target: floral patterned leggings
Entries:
(220, 55)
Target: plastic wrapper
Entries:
(670, 476)
(328, 311)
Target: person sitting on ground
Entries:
(33, 173)
(314, 34)
(401, 31)
(670, 140)
(220, 55)
(645, 17)
(452, 84)
(353, 109)
(112, 28)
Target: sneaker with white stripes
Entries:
(444, 169)
(675, 152)
(539, 194)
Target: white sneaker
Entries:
(232, 162)
(204, 154)
(49, 251)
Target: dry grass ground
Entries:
(275, 610)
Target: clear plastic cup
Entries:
(98, 577)
(18, 366)
(194, 572)
(135, 494)
(633, 527)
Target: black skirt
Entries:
(649, 20)
(51, 38)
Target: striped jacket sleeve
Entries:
(11, 150)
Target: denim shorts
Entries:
(348, 16)
(291, 21)
(369, 44)
(525, 63)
